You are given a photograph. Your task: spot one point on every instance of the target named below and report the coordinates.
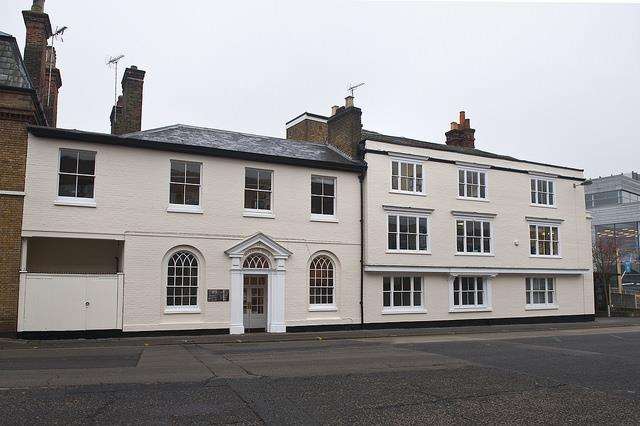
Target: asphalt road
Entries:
(582, 376)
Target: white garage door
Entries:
(69, 302)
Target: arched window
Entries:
(256, 261)
(321, 281)
(182, 279)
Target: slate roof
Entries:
(12, 70)
(399, 140)
(243, 142)
(214, 142)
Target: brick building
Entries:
(28, 96)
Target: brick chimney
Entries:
(126, 115)
(308, 127)
(461, 134)
(52, 83)
(38, 32)
(344, 128)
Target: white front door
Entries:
(255, 302)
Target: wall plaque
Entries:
(217, 295)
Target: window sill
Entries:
(396, 311)
(77, 202)
(265, 214)
(321, 308)
(544, 206)
(540, 307)
(482, 200)
(476, 254)
(180, 208)
(323, 218)
(408, 252)
(417, 194)
(470, 309)
(542, 256)
(182, 310)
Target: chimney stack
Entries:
(461, 134)
(344, 128)
(38, 31)
(126, 115)
(52, 83)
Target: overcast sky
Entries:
(544, 82)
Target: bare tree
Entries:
(605, 263)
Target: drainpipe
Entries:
(361, 179)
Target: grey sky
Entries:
(546, 82)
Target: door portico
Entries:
(276, 256)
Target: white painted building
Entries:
(185, 228)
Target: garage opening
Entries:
(69, 284)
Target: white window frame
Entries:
(467, 170)
(326, 307)
(182, 309)
(529, 282)
(418, 216)
(186, 208)
(415, 163)
(76, 201)
(412, 309)
(551, 225)
(263, 213)
(317, 217)
(487, 297)
(535, 193)
(491, 251)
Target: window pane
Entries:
(316, 205)
(68, 161)
(460, 228)
(392, 241)
(406, 299)
(264, 200)
(316, 185)
(422, 242)
(394, 182)
(251, 178)
(397, 299)
(264, 180)
(327, 205)
(329, 187)
(86, 162)
(250, 199)
(176, 194)
(193, 173)
(85, 186)
(386, 284)
(178, 171)
(393, 220)
(386, 299)
(192, 195)
(67, 186)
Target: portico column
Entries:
(236, 298)
(278, 298)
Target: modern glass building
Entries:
(614, 203)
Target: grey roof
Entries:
(399, 140)
(244, 142)
(12, 70)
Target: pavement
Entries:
(547, 373)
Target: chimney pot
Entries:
(37, 6)
(334, 109)
(348, 101)
(461, 134)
